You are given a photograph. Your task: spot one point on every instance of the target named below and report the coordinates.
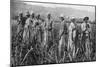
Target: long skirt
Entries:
(61, 48)
(71, 48)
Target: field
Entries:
(38, 55)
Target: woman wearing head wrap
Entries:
(61, 46)
(72, 34)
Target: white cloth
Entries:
(83, 26)
(26, 30)
(61, 41)
(71, 33)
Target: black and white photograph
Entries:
(43, 33)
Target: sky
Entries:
(85, 8)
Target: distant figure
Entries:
(77, 41)
(48, 31)
(31, 27)
(21, 23)
(39, 28)
(26, 29)
(85, 26)
(72, 34)
(61, 46)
